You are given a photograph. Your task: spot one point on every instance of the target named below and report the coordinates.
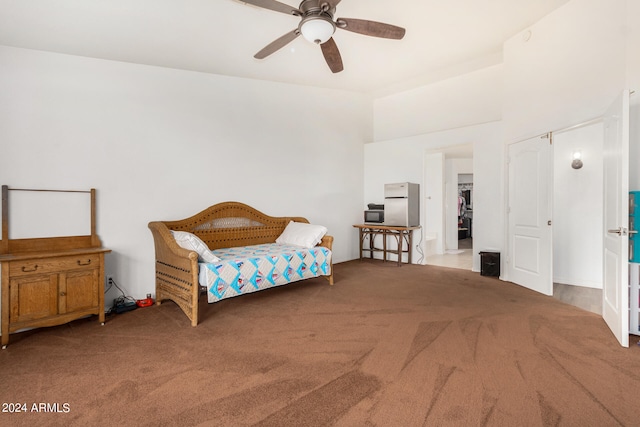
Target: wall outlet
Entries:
(109, 280)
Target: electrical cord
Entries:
(120, 300)
(419, 246)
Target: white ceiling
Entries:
(221, 37)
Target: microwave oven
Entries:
(374, 215)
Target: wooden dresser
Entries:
(49, 281)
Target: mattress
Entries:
(249, 269)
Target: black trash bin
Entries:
(490, 264)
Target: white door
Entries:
(434, 200)
(530, 256)
(615, 297)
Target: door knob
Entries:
(620, 231)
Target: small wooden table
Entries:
(402, 235)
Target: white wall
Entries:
(470, 99)
(433, 188)
(488, 196)
(570, 69)
(162, 144)
(578, 207)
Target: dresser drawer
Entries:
(53, 265)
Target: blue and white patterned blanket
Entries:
(252, 268)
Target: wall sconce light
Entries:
(576, 163)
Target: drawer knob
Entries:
(84, 263)
(29, 270)
(62, 294)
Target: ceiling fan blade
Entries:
(274, 5)
(277, 44)
(371, 28)
(332, 55)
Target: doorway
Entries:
(545, 188)
(465, 218)
(448, 223)
(578, 205)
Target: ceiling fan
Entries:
(317, 25)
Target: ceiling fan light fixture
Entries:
(317, 29)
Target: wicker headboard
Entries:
(232, 224)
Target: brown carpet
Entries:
(385, 346)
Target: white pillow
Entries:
(194, 243)
(302, 234)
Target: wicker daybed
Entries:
(224, 225)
